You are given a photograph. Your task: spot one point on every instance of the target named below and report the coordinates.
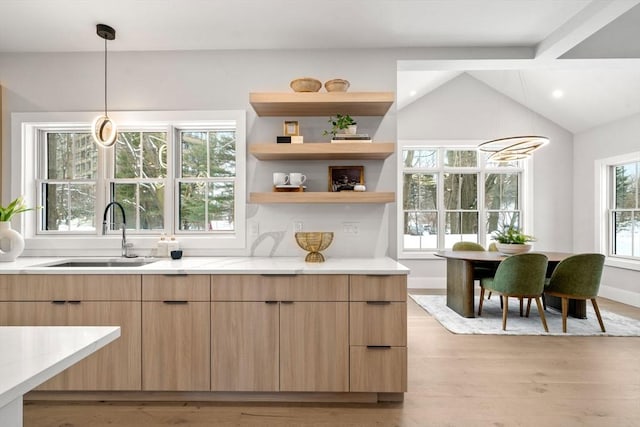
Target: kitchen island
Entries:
(32, 355)
(223, 328)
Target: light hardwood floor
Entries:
(454, 380)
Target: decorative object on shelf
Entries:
(344, 123)
(296, 178)
(293, 139)
(103, 129)
(288, 188)
(341, 138)
(345, 178)
(337, 85)
(291, 128)
(280, 178)
(314, 242)
(510, 240)
(514, 147)
(359, 187)
(11, 242)
(305, 84)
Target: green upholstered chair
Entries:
(520, 276)
(577, 277)
(467, 246)
(493, 247)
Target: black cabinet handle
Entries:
(271, 302)
(176, 275)
(175, 302)
(286, 302)
(379, 347)
(74, 302)
(378, 302)
(57, 301)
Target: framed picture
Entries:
(344, 178)
(291, 128)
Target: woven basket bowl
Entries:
(314, 242)
(337, 85)
(305, 84)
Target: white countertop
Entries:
(213, 265)
(31, 355)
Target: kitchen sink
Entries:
(123, 262)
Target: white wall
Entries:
(467, 109)
(610, 140)
(210, 80)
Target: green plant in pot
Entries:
(511, 240)
(341, 124)
(12, 241)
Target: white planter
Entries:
(11, 242)
(351, 129)
(513, 248)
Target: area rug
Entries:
(490, 322)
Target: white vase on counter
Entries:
(11, 242)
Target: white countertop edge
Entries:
(215, 265)
(100, 336)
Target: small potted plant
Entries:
(15, 246)
(511, 240)
(341, 124)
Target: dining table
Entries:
(460, 279)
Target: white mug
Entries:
(280, 178)
(297, 179)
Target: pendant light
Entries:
(104, 129)
(514, 147)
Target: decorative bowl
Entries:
(314, 242)
(337, 85)
(305, 84)
(513, 248)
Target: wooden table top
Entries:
(488, 256)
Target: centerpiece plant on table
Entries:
(511, 240)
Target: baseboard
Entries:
(614, 294)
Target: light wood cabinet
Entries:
(82, 300)
(175, 333)
(378, 333)
(302, 324)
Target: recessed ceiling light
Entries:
(557, 94)
(413, 93)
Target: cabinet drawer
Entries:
(378, 288)
(80, 287)
(156, 287)
(256, 287)
(378, 323)
(382, 370)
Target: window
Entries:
(180, 173)
(455, 194)
(624, 211)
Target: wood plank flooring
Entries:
(454, 380)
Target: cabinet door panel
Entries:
(265, 287)
(314, 346)
(378, 324)
(244, 346)
(175, 346)
(80, 287)
(157, 287)
(382, 370)
(378, 288)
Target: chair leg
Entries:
(521, 305)
(528, 308)
(505, 310)
(541, 313)
(501, 301)
(489, 296)
(481, 300)
(597, 310)
(565, 310)
(544, 302)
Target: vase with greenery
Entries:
(12, 241)
(341, 124)
(511, 240)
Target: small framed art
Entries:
(345, 178)
(291, 128)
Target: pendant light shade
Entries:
(103, 129)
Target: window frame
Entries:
(28, 128)
(524, 188)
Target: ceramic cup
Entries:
(280, 178)
(296, 178)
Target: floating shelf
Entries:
(323, 151)
(323, 197)
(321, 103)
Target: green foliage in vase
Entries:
(16, 206)
(339, 123)
(512, 235)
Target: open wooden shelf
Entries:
(323, 197)
(323, 151)
(321, 103)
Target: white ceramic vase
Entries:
(513, 248)
(11, 242)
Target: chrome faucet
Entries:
(125, 246)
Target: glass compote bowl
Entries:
(314, 242)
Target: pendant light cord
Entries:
(105, 76)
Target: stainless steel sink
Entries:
(124, 262)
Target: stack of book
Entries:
(350, 137)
